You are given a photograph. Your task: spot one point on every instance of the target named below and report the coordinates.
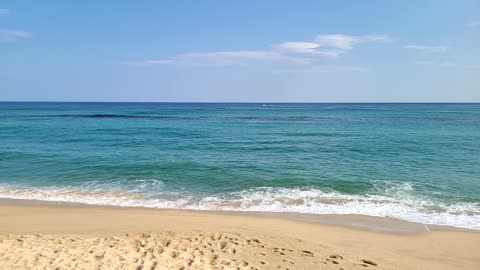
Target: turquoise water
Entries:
(416, 162)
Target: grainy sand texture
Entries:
(169, 250)
(105, 238)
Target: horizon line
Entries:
(255, 102)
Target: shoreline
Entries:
(351, 221)
(116, 237)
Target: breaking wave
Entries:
(392, 200)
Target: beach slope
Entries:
(44, 237)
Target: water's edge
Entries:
(385, 225)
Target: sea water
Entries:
(415, 162)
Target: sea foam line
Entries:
(395, 203)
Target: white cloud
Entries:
(335, 41)
(295, 52)
(227, 58)
(424, 62)
(305, 48)
(328, 69)
(345, 42)
(230, 58)
(156, 62)
(435, 63)
(428, 49)
(3, 11)
(475, 23)
(149, 62)
(8, 35)
(245, 55)
(298, 46)
(448, 64)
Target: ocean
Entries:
(414, 162)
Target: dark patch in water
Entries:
(298, 118)
(162, 117)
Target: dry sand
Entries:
(45, 237)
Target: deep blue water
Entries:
(417, 162)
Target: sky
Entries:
(240, 51)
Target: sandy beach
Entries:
(58, 237)
(240, 135)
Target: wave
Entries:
(395, 200)
(288, 118)
(299, 118)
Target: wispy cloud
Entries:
(326, 69)
(433, 63)
(475, 23)
(428, 49)
(447, 64)
(3, 11)
(225, 58)
(295, 52)
(345, 42)
(9, 35)
(299, 47)
(156, 62)
(235, 55)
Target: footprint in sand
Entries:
(307, 253)
(367, 263)
(336, 256)
(333, 261)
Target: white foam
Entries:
(394, 201)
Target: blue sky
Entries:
(240, 51)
